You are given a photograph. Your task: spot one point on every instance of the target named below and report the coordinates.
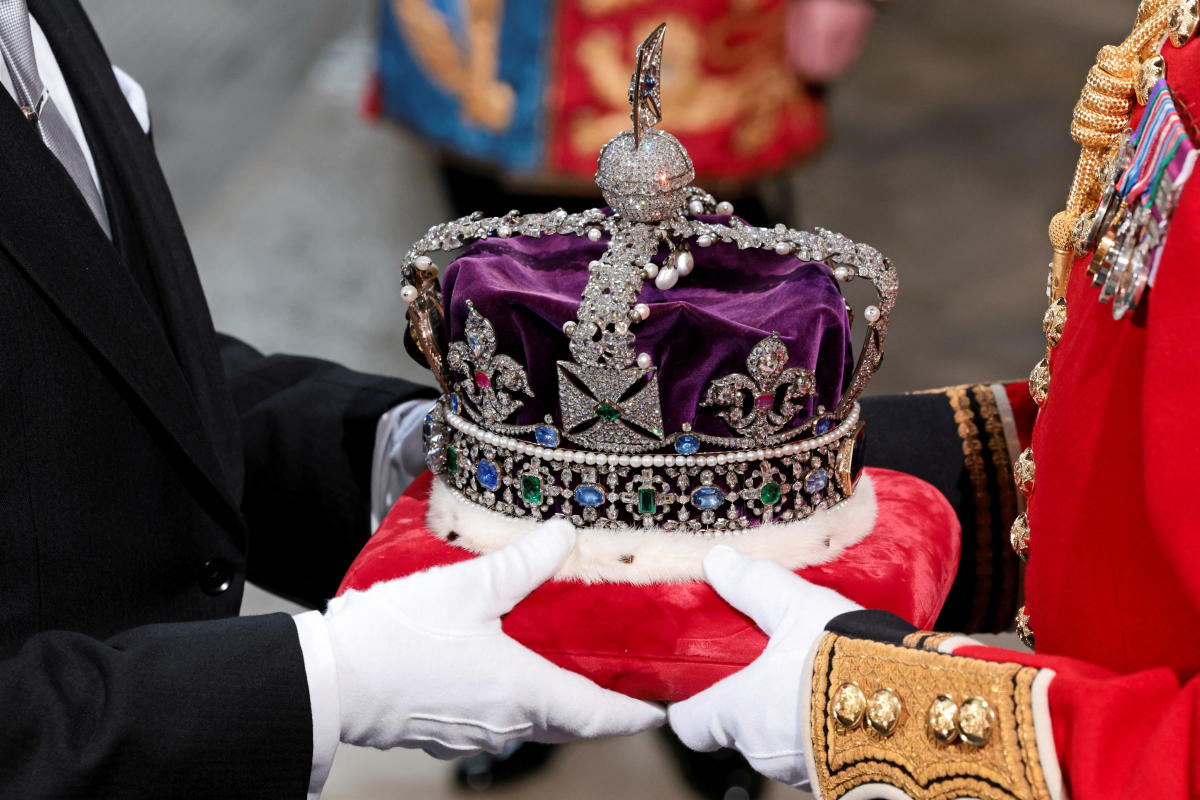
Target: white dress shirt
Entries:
(396, 462)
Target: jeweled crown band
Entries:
(726, 491)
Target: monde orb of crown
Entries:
(644, 177)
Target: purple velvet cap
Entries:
(700, 330)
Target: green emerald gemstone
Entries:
(452, 460)
(608, 412)
(770, 494)
(647, 500)
(531, 489)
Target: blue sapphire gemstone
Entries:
(589, 496)
(824, 425)
(707, 498)
(488, 475)
(454, 403)
(546, 436)
(816, 481)
(687, 445)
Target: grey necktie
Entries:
(16, 46)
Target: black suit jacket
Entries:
(147, 469)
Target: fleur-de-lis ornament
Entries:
(488, 378)
(765, 401)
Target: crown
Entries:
(768, 442)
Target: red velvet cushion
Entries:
(666, 642)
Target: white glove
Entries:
(422, 661)
(757, 710)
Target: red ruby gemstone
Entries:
(482, 380)
(764, 401)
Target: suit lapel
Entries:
(48, 230)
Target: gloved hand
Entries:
(422, 661)
(824, 37)
(757, 710)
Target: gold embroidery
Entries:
(972, 449)
(1005, 766)
(470, 73)
(750, 89)
(1005, 486)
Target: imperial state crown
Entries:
(667, 377)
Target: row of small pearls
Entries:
(652, 460)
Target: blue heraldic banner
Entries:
(474, 89)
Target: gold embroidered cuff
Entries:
(934, 726)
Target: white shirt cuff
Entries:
(321, 671)
(399, 456)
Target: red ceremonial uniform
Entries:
(1111, 705)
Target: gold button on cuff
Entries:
(1182, 22)
(883, 711)
(1018, 536)
(1054, 321)
(1024, 472)
(975, 721)
(942, 719)
(848, 705)
(1039, 382)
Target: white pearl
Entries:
(579, 457)
(659, 460)
(644, 361)
(539, 452)
(843, 273)
(722, 458)
(623, 460)
(710, 461)
(684, 262)
(635, 461)
(409, 293)
(569, 327)
(650, 270)
(595, 264)
(594, 234)
(667, 278)
(783, 248)
(589, 458)
(871, 313)
(704, 240)
(423, 262)
(504, 231)
(690, 461)
(724, 207)
(696, 207)
(641, 311)
(602, 459)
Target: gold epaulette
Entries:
(932, 725)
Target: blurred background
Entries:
(949, 152)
